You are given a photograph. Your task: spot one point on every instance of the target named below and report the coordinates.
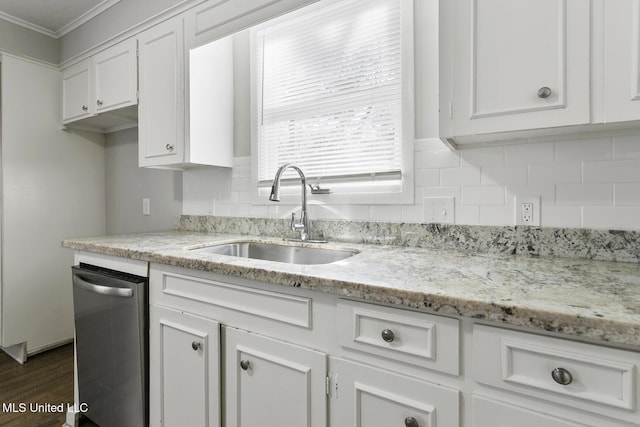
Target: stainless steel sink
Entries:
(279, 253)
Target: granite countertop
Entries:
(595, 300)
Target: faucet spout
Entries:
(301, 227)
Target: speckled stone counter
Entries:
(596, 300)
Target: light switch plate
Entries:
(440, 210)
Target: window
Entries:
(333, 95)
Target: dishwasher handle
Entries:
(81, 283)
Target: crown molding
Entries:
(67, 28)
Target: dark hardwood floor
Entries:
(46, 379)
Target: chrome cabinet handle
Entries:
(85, 108)
(410, 422)
(244, 364)
(388, 335)
(544, 92)
(99, 102)
(562, 376)
(169, 147)
(196, 346)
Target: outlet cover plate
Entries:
(535, 214)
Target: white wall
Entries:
(20, 40)
(127, 185)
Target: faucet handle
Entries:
(294, 226)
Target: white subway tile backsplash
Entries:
(589, 149)
(612, 171)
(627, 147)
(547, 192)
(617, 218)
(627, 194)
(497, 215)
(543, 152)
(587, 182)
(460, 176)
(478, 195)
(427, 177)
(549, 173)
(486, 156)
(584, 194)
(561, 216)
(438, 159)
(468, 214)
(504, 175)
(388, 213)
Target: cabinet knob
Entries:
(562, 376)
(85, 108)
(410, 422)
(244, 364)
(544, 92)
(196, 346)
(388, 335)
(99, 102)
(169, 147)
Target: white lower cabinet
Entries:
(184, 369)
(232, 352)
(365, 396)
(271, 383)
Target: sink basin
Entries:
(279, 253)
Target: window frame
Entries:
(346, 193)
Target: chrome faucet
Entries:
(302, 226)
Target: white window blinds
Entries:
(330, 93)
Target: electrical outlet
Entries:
(527, 210)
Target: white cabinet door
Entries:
(270, 383)
(514, 65)
(364, 396)
(116, 76)
(77, 96)
(622, 60)
(161, 107)
(184, 369)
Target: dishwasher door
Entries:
(111, 322)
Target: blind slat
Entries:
(330, 85)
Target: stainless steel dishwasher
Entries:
(111, 321)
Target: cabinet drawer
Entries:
(172, 288)
(401, 335)
(586, 376)
(489, 413)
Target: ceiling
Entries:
(54, 18)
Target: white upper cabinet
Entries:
(622, 61)
(511, 66)
(161, 109)
(116, 76)
(76, 91)
(105, 82)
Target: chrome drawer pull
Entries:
(562, 376)
(410, 422)
(196, 346)
(244, 364)
(544, 92)
(388, 335)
